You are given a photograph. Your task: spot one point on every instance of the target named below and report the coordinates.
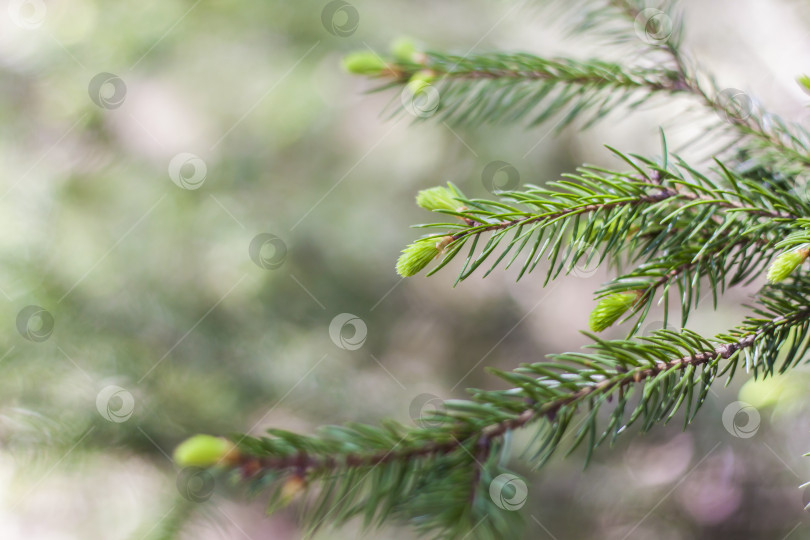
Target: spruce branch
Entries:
(726, 259)
(507, 87)
(387, 471)
(621, 21)
(640, 360)
(779, 144)
(692, 221)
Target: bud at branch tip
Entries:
(786, 263)
(419, 254)
(440, 198)
(611, 308)
(205, 451)
(364, 63)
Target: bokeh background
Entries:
(146, 146)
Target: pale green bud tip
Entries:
(419, 254)
(804, 82)
(423, 77)
(364, 63)
(420, 80)
(786, 263)
(404, 50)
(438, 198)
(610, 309)
(204, 451)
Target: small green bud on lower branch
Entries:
(423, 76)
(420, 80)
(611, 308)
(786, 263)
(419, 254)
(205, 451)
(364, 63)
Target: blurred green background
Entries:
(166, 324)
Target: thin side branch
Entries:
(302, 462)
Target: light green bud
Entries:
(439, 198)
(419, 254)
(786, 263)
(404, 50)
(610, 309)
(364, 63)
(204, 451)
(420, 80)
(804, 82)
